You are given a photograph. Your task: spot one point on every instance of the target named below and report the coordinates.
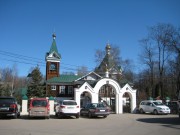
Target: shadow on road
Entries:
(170, 122)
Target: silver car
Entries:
(155, 107)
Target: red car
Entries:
(39, 107)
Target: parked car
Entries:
(67, 108)
(173, 105)
(9, 107)
(154, 107)
(39, 107)
(95, 109)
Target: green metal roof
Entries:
(107, 63)
(24, 91)
(63, 79)
(54, 48)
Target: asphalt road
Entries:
(122, 124)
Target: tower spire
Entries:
(54, 36)
(108, 48)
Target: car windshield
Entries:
(6, 100)
(158, 103)
(39, 103)
(69, 103)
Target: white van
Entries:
(155, 107)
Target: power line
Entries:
(23, 62)
(18, 55)
(42, 65)
(17, 59)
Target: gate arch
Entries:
(132, 94)
(94, 93)
(85, 98)
(116, 87)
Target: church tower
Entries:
(52, 61)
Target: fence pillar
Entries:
(24, 105)
(51, 103)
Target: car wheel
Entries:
(155, 112)
(89, 115)
(105, 116)
(77, 116)
(141, 111)
(59, 115)
(18, 115)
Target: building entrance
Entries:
(85, 98)
(107, 96)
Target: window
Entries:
(112, 91)
(53, 87)
(69, 103)
(61, 89)
(102, 90)
(53, 66)
(70, 89)
(148, 103)
(157, 103)
(39, 103)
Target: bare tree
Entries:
(14, 80)
(127, 70)
(83, 70)
(174, 46)
(147, 57)
(123, 68)
(157, 51)
(9, 80)
(115, 52)
(159, 34)
(99, 55)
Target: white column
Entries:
(95, 98)
(51, 103)
(24, 107)
(77, 96)
(133, 103)
(119, 104)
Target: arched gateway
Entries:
(118, 91)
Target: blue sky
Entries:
(81, 27)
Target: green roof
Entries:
(24, 91)
(63, 79)
(54, 48)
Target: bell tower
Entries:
(52, 60)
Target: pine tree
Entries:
(36, 87)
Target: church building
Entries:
(101, 85)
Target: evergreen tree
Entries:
(36, 87)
